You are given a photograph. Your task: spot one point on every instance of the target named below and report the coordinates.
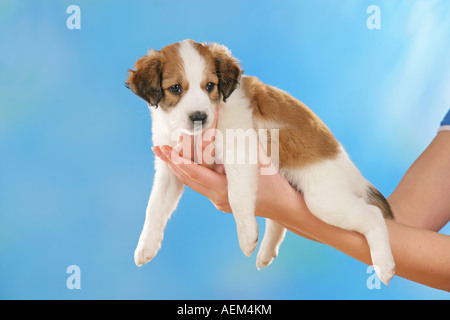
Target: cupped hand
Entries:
(192, 162)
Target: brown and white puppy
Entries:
(184, 83)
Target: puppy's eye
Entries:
(210, 86)
(176, 89)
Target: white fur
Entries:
(167, 188)
(195, 99)
(242, 174)
(334, 189)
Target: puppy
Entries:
(184, 83)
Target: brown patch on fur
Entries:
(303, 137)
(155, 73)
(172, 73)
(214, 95)
(210, 72)
(226, 67)
(145, 82)
(374, 197)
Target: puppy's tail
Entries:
(374, 197)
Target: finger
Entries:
(179, 145)
(216, 117)
(191, 183)
(218, 199)
(212, 134)
(196, 172)
(154, 148)
(204, 146)
(185, 145)
(198, 146)
(219, 168)
(205, 149)
(187, 180)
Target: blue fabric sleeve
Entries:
(446, 121)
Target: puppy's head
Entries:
(187, 80)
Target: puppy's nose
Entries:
(198, 116)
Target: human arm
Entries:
(421, 205)
(422, 198)
(421, 255)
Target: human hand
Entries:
(274, 196)
(196, 168)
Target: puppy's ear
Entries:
(227, 68)
(145, 81)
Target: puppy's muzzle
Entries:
(198, 116)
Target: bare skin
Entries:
(421, 205)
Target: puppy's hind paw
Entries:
(263, 260)
(385, 271)
(145, 252)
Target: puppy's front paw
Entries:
(146, 250)
(248, 237)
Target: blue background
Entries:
(76, 167)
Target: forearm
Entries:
(422, 197)
(421, 255)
